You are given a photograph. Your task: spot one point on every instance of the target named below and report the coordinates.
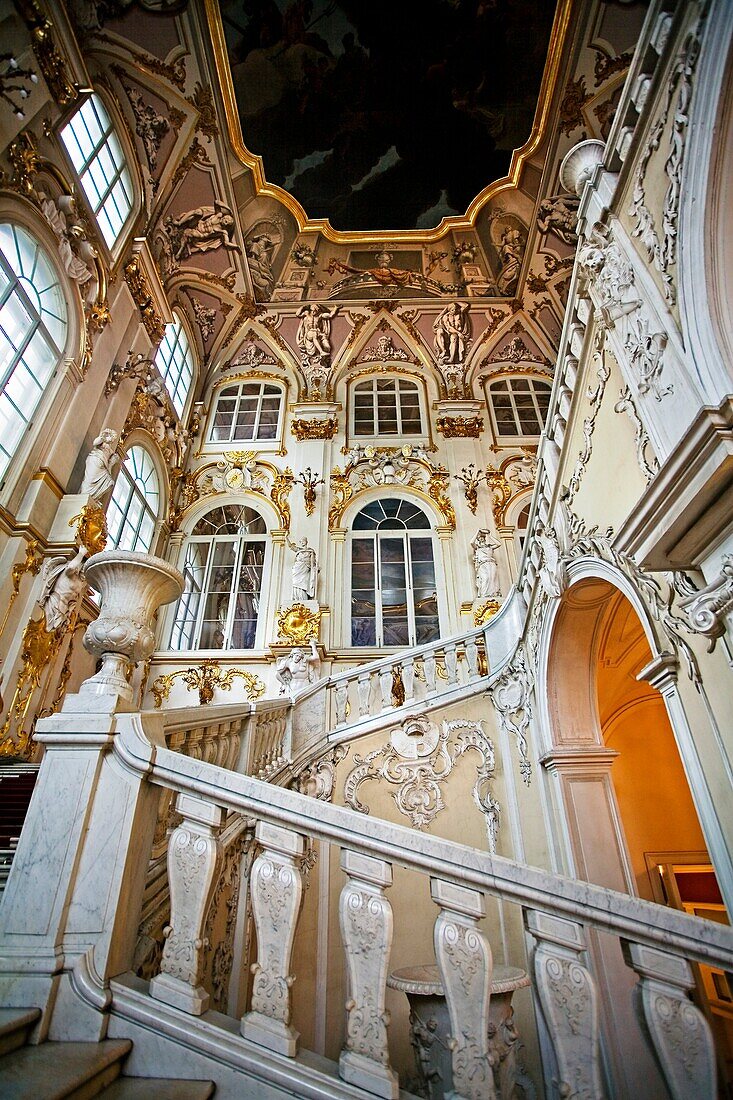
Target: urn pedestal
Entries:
(132, 587)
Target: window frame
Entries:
(239, 381)
(211, 540)
(507, 379)
(125, 174)
(137, 493)
(387, 439)
(165, 374)
(376, 535)
(36, 414)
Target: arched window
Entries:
(99, 162)
(246, 411)
(174, 361)
(519, 406)
(387, 406)
(33, 329)
(225, 557)
(393, 588)
(133, 510)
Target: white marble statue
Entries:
(297, 669)
(452, 333)
(62, 586)
(305, 570)
(100, 466)
(485, 564)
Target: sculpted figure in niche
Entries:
(511, 250)
(314, 333)
(297, 669)
(452, 333)
(100, 466)
(305, 570)
(485, 564)
(63, 585)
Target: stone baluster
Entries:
(385, 687)
(472, 659)
(275, 890)
(428, 665)
(679, 1032)
(194, 854)
(364, 688)
(464, 958)
(451, 663)
(408, 678)
(569, 1002)
(342, 696)
(366, 931)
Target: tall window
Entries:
(223, 572)
(33, 328)
(99, 162)
(393, 590)
(519, 405)
(174, 361)
(387, 406)
(133, 509)
(248, 410)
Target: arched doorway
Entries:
(394, 598)
(625, 803)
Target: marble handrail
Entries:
(607, 910)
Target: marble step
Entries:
(61, 1071)
(15, 1027)
(143, 1088)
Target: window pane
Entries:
(98, 160)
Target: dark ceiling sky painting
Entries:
(386, 114)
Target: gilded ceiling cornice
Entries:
(412, 236)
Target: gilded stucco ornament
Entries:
(460, 427)
(471, 482)
(370, 467)
(298, 624)
(91, 527)
(206, 679)
(139, 287)
(304, 429)
(485, 611)
(51, 61)
(310, 483)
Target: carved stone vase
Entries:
(132, 587)
(579, 164)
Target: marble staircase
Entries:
(76, 1070)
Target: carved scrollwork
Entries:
(511, 695)
(705, 611)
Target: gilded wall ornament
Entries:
(206, 678)
(51, 61)
(136, 280)
(91, 528)
(31, 563)
(460, 427)
(314, 429)
(310, 483)
(485, 611)
(298, 624)
(471, 482)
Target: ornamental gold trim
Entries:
(304, 429)
(414, 236)
(206, 678)
(91, 528)
(484, 612)
(460, 427)
(298, 624)
(137, 282)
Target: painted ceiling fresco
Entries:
(386, 114)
